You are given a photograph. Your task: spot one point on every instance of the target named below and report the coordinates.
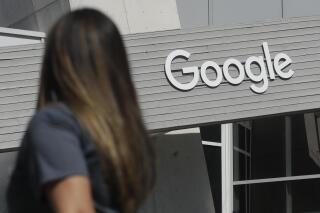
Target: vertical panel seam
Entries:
(282, 9)
(126, 11)
(210, 12)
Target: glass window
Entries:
(211, 133)
(242, 151)
(212, 153)
(273, 170)
(272, 147)
(276, 197)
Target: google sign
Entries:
(268, 69)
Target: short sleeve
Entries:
(55, 148)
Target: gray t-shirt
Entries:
(55, 146)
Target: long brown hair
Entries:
(86, 66)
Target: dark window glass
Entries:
(265, 151)
(267, 148)
(211, 133)
(302, 163)
(242, 152)
(278, 197)
(213, 160)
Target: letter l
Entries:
(268, 59)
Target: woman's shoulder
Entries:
(57, 114)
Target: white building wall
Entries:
(15, 37)
(136, 16)
(12, 41)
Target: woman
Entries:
(86, 148)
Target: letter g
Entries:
(171, 78)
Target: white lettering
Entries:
(267, 55)
(216, 68)
(257, 78)
(194, 70)
(280, 66)
(235, 63)
(267, 70)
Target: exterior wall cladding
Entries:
(165, 107)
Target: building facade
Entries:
(229, 91)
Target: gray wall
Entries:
(195, 13)
(133, 16)
(40, 14)
(37, 15)
(245, 11)
(298, 8)
(166, 107)
(19, 71)
(182, 183)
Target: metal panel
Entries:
(19, 74)
(193, 13)
(21, 47)
(14, 11)
(9, 41)
(245, 11)
(38, 4)
(180, 188)
(31, 14)
(214, 28)
(48, 15)
(29, 23)
(298, 8)
(151, 15)
(115, 9)
(136, 16)
(166, 108)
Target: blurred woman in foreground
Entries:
(86, 148)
